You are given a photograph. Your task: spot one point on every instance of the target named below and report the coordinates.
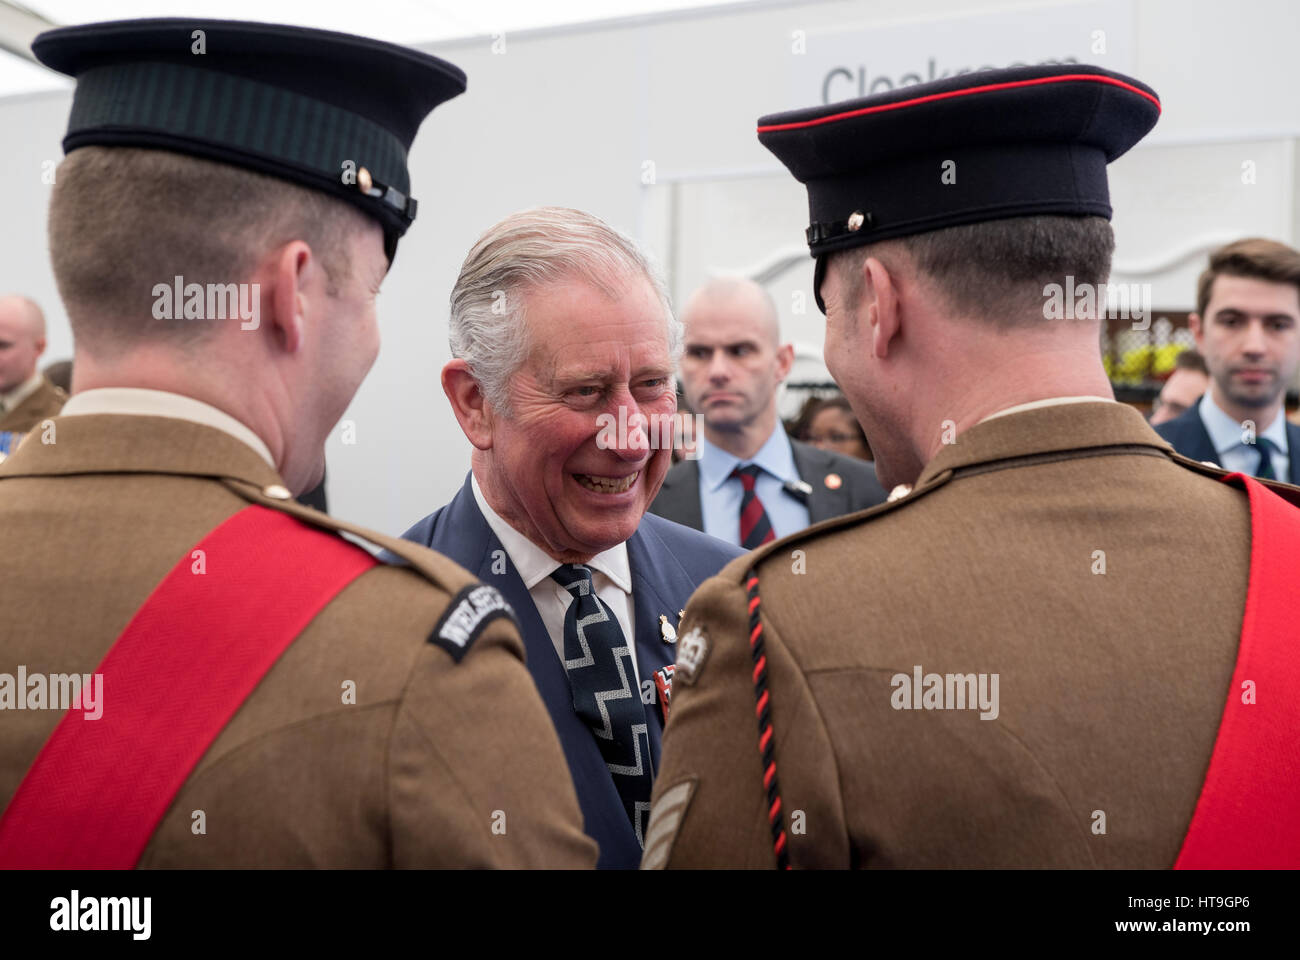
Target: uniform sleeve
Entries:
(477, 777)
(710, 805)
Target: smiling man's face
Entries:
(553, 473)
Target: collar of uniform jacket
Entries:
(1044, 429)
(130, 443)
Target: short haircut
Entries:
(997, 270)
(35, 315)
(1252, 257)
(726, 287)
(125, 219)
(488, 325)
(1190, 359)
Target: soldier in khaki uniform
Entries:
(1023, 658)
(26, 396)
(373, 740)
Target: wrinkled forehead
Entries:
(604, 338)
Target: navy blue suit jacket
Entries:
(668, 561)
(1186, 433)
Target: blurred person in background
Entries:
(26, 396)
(828, 423)
(1186, 385)
(1247, 326)
(751, 483)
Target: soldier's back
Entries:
(1023, 663)
(364, 745)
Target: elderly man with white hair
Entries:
(26, 397)
(563, 348)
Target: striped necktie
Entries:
(598, 660)
(755, 527)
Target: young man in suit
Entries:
(563, 347)
(751, 483)
(1247, 325)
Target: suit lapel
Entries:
(462, 533)
(659, 587)
(680, 495)
(813, 466)
(1199, 438)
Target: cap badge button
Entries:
(364, 180)
(856, 220)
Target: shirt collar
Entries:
(1225, 432)
(134, 401)
(1048, 402)
(534, 564)
(21, 392)
(775, 456)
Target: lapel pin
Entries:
(666, 629)
(833, 481)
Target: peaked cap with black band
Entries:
(325, 110)
(1022, 141)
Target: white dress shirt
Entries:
(133, 401)
(611, 578)
(721, 494)
(1236, 455)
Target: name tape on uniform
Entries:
(465, 617)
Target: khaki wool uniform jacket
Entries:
(44, 402)
(416, 773)
(1065, 549)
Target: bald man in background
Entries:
(26, 397)
(751, 483)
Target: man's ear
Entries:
(784, 361)
(880, 294)
(291, 293)
(1198, 331)
(468, 403)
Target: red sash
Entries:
(1248, 814)
(185, 663)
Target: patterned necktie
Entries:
(755, 527)
(1266, 450)
(597, 658)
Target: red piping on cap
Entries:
(1010, 85)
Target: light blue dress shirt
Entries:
(1226, 433)
(720, 493)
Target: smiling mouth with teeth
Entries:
(607, 484)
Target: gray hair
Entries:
(488, 328)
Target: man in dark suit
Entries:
(1247, 325)
(567, 405)
(751, 482)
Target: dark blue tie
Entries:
(598, 660)
(1266, 449)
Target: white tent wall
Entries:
(575, 116)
